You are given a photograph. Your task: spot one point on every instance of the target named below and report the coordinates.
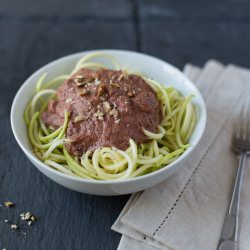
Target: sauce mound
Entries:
(106, 108)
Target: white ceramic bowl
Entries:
(149, 66)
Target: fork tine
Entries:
(248, 121)
(242, 130)
(238, 134)
(245, 120)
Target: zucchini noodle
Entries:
(164, 147)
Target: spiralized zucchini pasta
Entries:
(178, 119)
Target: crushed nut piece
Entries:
(84, 92)
(69, 100)
(115, 84)
(14, 226)
(107, 106)
(97, 82)
(27, 216)
(131, 92)
(9, 204)
(120, 77)
(98, 114)
(80, 81)
(80, 118)
(101, 89)
(117, 121)
(114, 113)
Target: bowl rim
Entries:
(203, 120)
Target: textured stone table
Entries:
(32, 33)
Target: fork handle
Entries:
(229, 233)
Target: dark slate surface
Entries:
(32, 33)
(231, 10)
(196, 42)
(77, 8)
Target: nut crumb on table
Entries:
(9, 204)
(29, 217)
(14, 226)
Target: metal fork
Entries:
(240, 145)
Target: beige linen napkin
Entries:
(187, 210)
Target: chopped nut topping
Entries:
(80, 80)
(117, 121)
(114, 113)
(84, 92)
(14, 226)
(107, 106)
(80, 118)
(97, 82)
(131, 92)
(9, 204)
(69, 100)
(98, 114)
(101, 89)
(30, 223)
(115, 84)
(120, 77)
